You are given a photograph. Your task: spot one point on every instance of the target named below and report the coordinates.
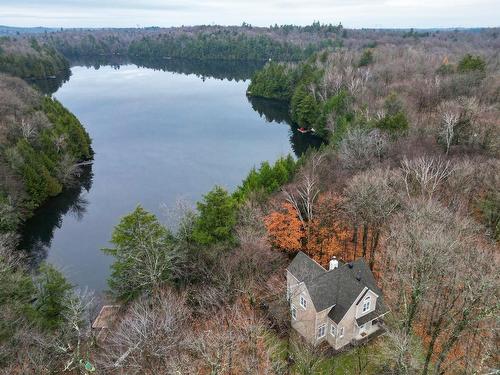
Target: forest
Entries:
(27, 58)
(197, 42)
(407, 179)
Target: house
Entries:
(341, 305)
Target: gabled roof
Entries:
(380, 309)
(339, 287)
(304, 268)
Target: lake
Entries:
(161, 132)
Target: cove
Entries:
(161, 132)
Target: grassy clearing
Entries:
(355, 361)
(363, 360)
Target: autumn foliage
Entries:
(327, 235)
(285, 229)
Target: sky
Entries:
(351, 13)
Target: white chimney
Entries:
(334, 263)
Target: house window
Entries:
(333, 330)
(366, 304)
(321, 331)
(341, 332)
(303, 302)
(294, 312)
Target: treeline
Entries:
(83, 44)
(224, 46)
(227, 69)
(41, 146)
(198, 42)
(315, 28)
(27, 58)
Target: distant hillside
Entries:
(12, 30)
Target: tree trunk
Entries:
(374, 248)
(355, 242)
(455, 335)
(412, 309)
(365, 238)
(430, 349)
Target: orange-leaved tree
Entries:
(329, 235)
(285, 229)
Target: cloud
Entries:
(352, 13)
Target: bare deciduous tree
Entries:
(150, 334)
(370, 201)
(68, 169)
(307, 358)
(449, 117)
(401, 351)
(76, 330)
(305, 193)
(424, 175)
(180, 218)
(233, 342)
(360, 146)
(28, 129)
(250, 228)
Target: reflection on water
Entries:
(38, 231)
(51, 85)
(277, 111)
(218, 69)
(160, 131)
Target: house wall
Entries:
(305, 323)
(373, 304)
(321, 318)
(351, 329)
(330, 338)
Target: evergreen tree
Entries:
(267, 179)
(394, 121)
(471, 63)
(304, 108)
(366, 58)
(217, 217)
(144, 252)
(52, 293)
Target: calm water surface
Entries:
(158, 136)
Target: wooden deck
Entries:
(106, 317)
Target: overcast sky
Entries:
(352, 13)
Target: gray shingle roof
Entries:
(339, 287)
(304, 268)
